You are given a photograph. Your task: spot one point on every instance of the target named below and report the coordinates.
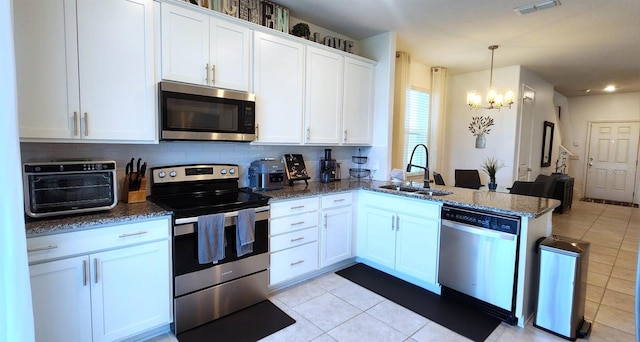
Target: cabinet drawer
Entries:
(279, 209)
(293, 239)
(291, 223)
(330, 201)
(293, 262)
(86, 241)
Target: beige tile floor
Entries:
(331, 308)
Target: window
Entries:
(416, 126)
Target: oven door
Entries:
(192, 276)
(190, 112)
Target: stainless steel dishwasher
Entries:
(478, 259)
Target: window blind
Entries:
(416, 126)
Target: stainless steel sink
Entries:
(435, 192)
(399, 188)
(420, 191)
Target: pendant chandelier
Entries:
(495, 100)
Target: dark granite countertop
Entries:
(122, 213)
(499, 202)
(474, 199)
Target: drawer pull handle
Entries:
(132, 234)
(43, 248)
(297, 223)
(297, 207)
(225, 273)
(339, 200)
(297, 239)
(297, 262)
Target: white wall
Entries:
(502, 141)
(460, 151)
(420, 76)
(382, 48)
(544, 110)
(16, 317)
(581, 110)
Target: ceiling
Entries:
(581, 44)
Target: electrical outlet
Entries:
(576, 143)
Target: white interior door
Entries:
(526, 134)
(611, 162)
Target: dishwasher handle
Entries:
(478, 230)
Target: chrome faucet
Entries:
(425, 167)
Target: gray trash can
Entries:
(562, 287)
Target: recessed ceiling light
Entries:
(610, 88)
(526, 9)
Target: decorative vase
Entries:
(481, 140)
(493, 185)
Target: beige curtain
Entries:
(403, 63)
(437, 119)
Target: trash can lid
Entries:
(557, 242)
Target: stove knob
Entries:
(172, 173)
(161, 174)
(232, 171)
(223, 171)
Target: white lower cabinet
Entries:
(400, 235)
(336, 230)
(293, 239)
(118, 291)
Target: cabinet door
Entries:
(46, 68)
(335, 241)
(61, 298)
(323, 96)
(278, 85)
(417, 247)
(229, 55)
(379, 237)
(185, 44)
(358, 102)
(130, 290)
(116, 70)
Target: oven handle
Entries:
(187, 225)
(477, 230)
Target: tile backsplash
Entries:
(178, 153)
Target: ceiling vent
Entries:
(536, 7)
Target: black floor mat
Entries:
(250, 324)
(455, 316)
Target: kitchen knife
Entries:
(130, 164)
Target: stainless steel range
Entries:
(205, 292)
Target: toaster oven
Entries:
(69, 187)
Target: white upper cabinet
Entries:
(85, 70)
(323, 96)
(201, 49)
(279, 87)
(357, 113)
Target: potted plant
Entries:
(490, 166)
(301, 30)
(479, 126)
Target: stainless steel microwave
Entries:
(69, 187)
(193, 112)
